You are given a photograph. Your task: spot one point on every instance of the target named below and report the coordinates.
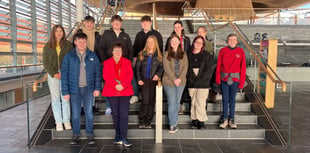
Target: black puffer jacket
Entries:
(141, 66)
(202, 80)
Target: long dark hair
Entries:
(52, 41)
(203, 43)
(171, 53)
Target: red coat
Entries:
(126, 75)
(231, 61)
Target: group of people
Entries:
(110, 64)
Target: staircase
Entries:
(248, 127)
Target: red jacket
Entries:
(126, 75)
(231, 61)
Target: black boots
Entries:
(201, 125)
(196, 124)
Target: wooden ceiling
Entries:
(174, 7)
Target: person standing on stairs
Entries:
(148, 70)
(198, 81)
(174, 79)
(185, 44)
(116, 33)
(202, 31)
(118, 74)
(139, 45)
(81, 82)
(53, 53)
(93, 38)
(230, 74)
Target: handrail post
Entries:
(159, 113)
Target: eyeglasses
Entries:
(119, 51)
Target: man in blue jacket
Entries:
(81, 82)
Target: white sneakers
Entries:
(67, 125)
(134, 99)
(59, 126)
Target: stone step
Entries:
(211, 107)
(212, 132)
(213, 118)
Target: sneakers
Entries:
(173, 129)
(133, 99)
(223, 124)
(117, 141)
(108, 111)
(126, 143)
(59, 127)
(232, 124)
(75, 140)
(91, 140)
(148, 126)
(141, 126)
(67, 125)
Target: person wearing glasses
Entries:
(116, 33)
(117, 74)
(174, 80)
(230, 74)
(199, 74)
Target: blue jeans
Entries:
(229, 93)
(174, 95)
(87, 98)
(120, 110)
(61, 108)
(135, 86)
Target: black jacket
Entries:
(97, 39)
(106, 41)
(186, 42)
(141, 66)
(140, 41)
(202, 80)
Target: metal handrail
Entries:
(104, 15)
(6, 67)
(251, 51)
(259, 61)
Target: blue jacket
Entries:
(70, 72)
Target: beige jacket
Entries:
(169, 72)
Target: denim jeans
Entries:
(120, 110)
(174, 95)
(61, 108)
(135, 86)
(87, 98)
(229, 93)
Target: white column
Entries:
(159, 114)
(79, 10)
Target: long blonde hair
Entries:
(146, 49)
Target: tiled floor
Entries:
(13, 135)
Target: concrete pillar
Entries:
(79, 10)
(34, 30)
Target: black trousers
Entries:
(148, 91)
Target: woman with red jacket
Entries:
(230, 74)
(117, 74)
